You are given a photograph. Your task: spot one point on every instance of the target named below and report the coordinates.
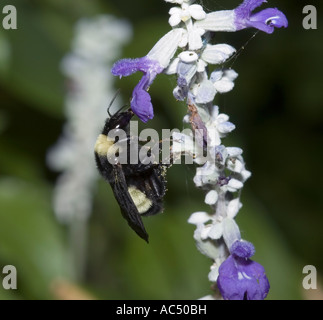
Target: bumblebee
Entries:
(138, 188)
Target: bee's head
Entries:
(119, 120)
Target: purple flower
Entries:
(241, 278)
(141, 102)
(266, 20)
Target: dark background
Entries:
(277, 109)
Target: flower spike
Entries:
(187, 52)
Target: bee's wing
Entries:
(128, 209)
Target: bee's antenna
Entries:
(114, 97)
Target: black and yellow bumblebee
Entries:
(138, 188)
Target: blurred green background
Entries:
(277, 107)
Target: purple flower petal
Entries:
(269, 19)
(242, 249)
(127, 67)
(249, 5)
(141, 102)
(242, 279)
(266, 20)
